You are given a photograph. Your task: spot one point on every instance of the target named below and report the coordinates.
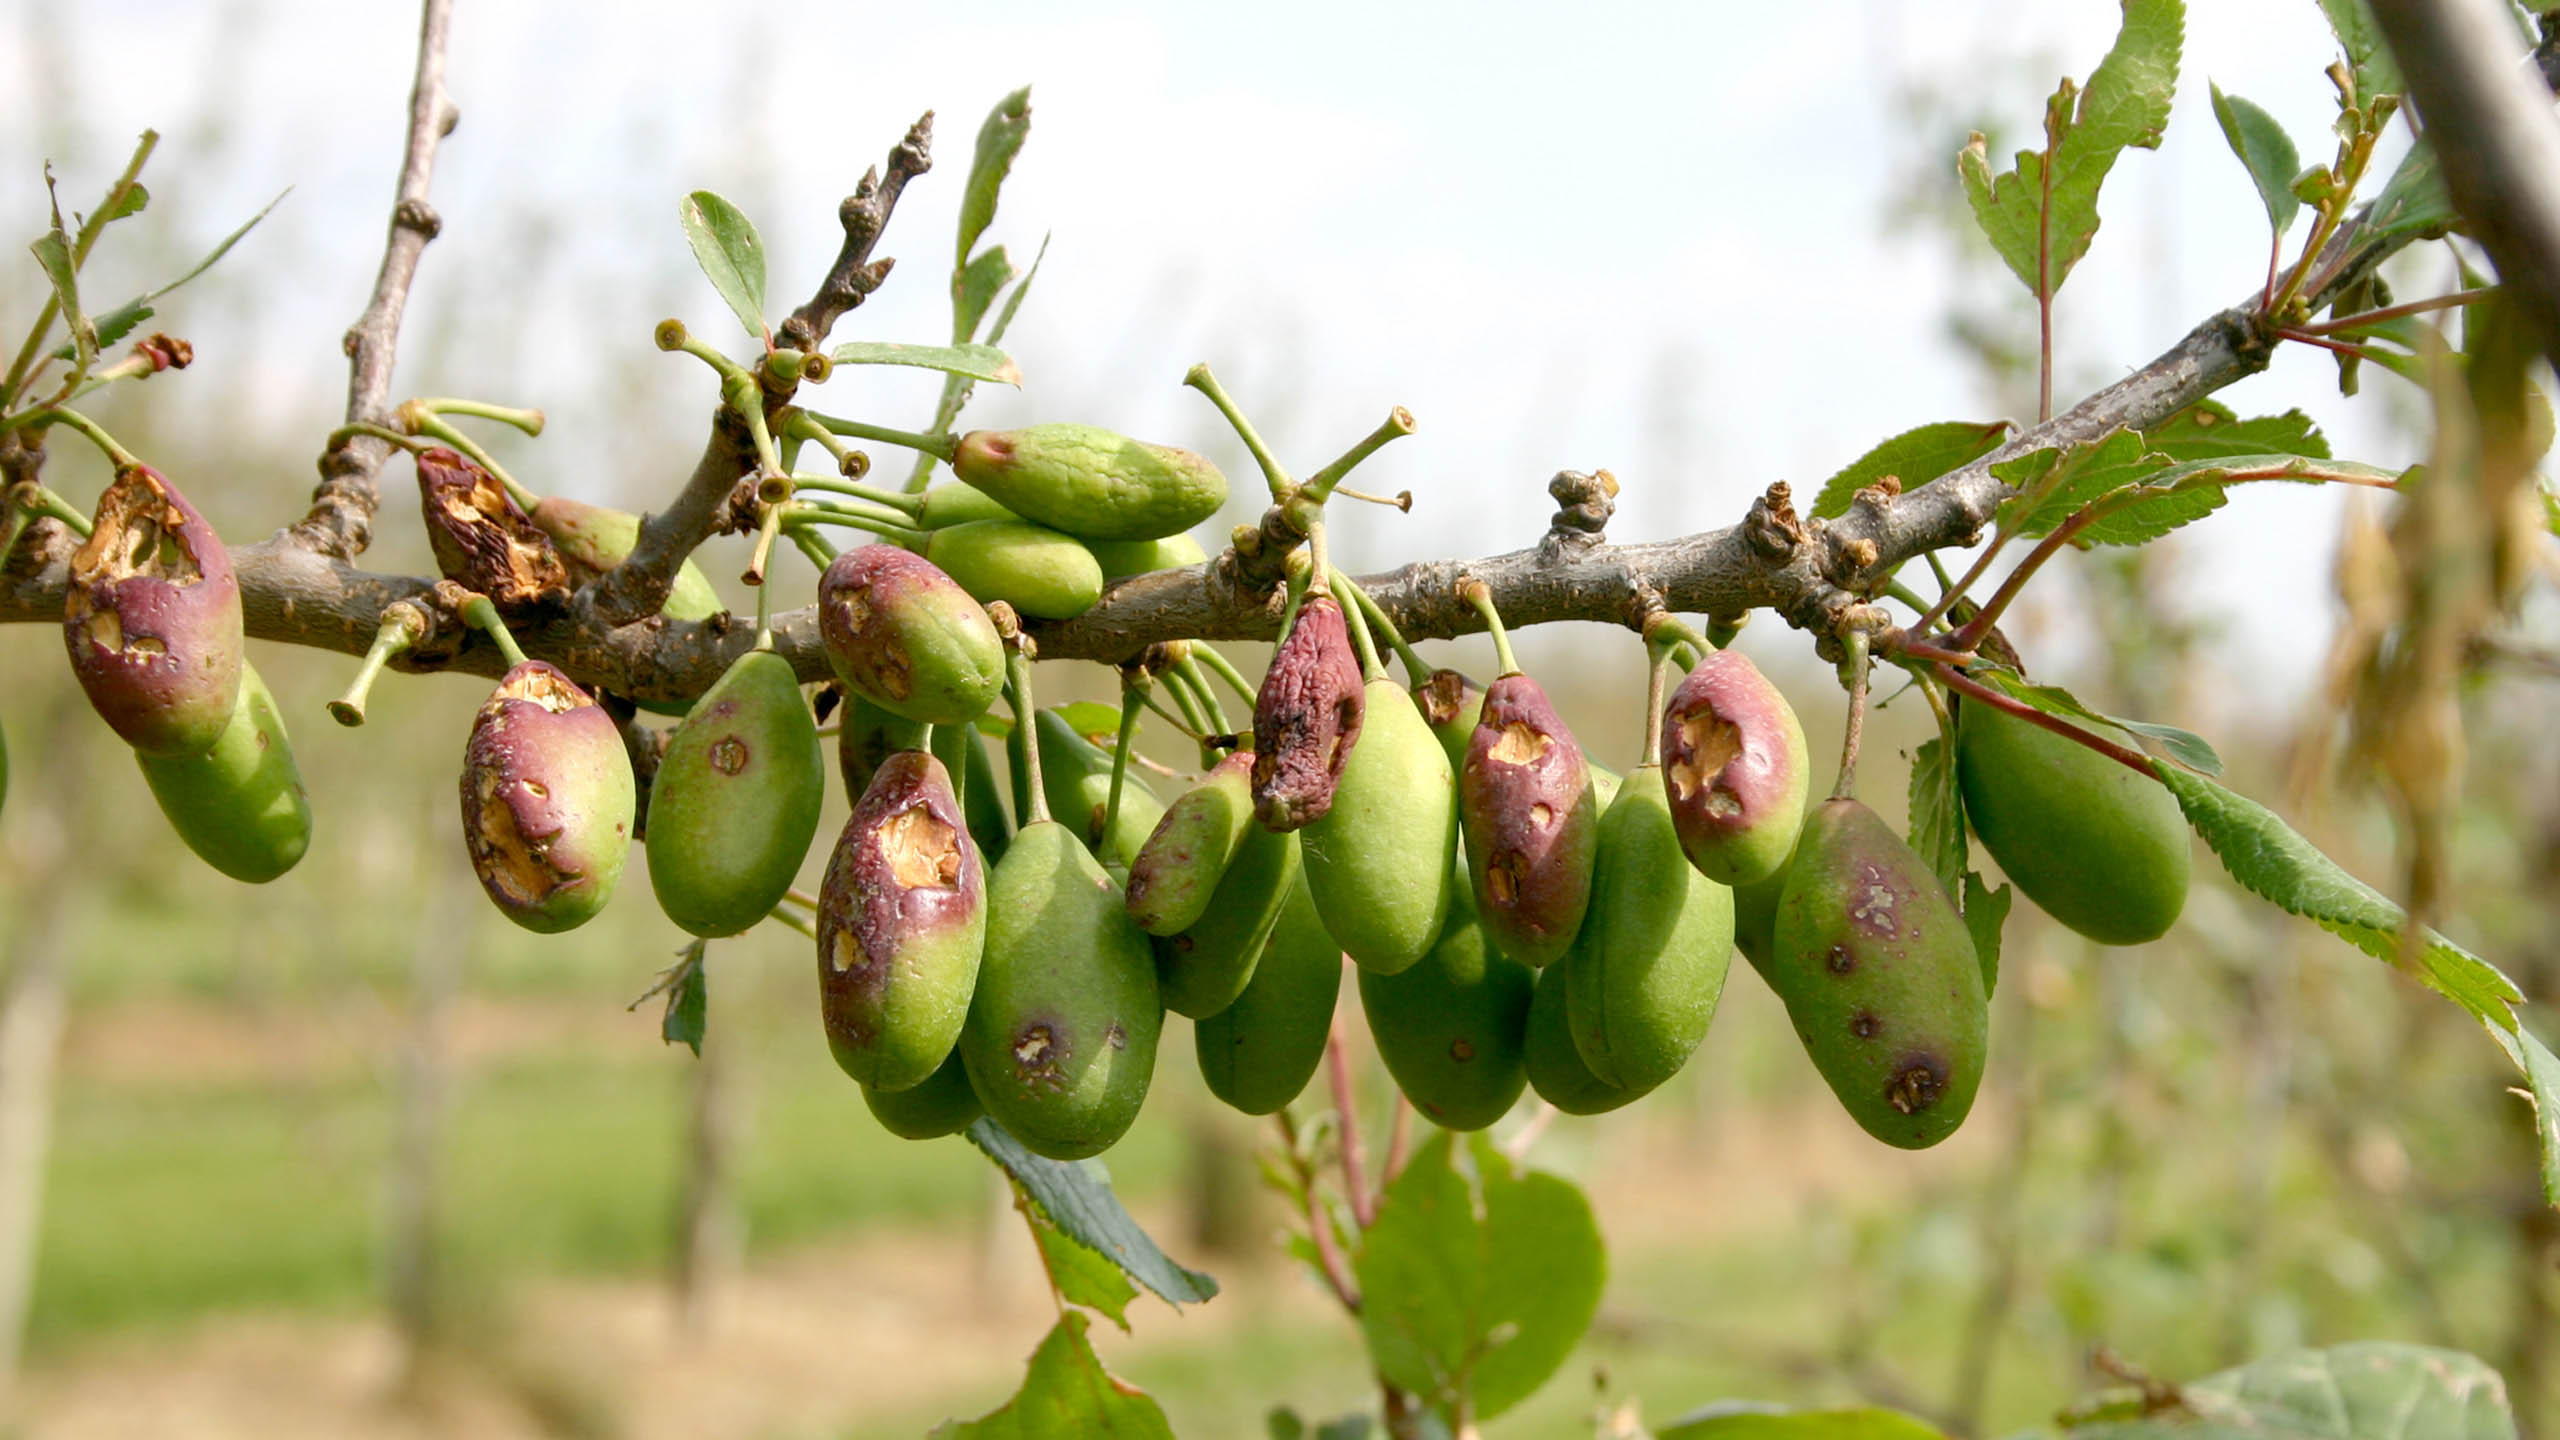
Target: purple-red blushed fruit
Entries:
(547, 800)
(1306, 718)
(904, 636)
(152, 618)
(1525, 802)
(1734, 767)
(482, 539)
(902, 919)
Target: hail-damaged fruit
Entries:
(1061, 1037)
(240, 805)
(1306, 718)
(152, 618)
(1178, 868)
(1735, 769)
(1878, 973)
(903, 635)
(1531, 822)
(482, 539)
(547, 800)
(735, 802)
(592, 539)
(902, 918)
(1090, 482)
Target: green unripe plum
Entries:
(942, 1105)
(1075, 779)
(1879, 975)
(2100, 848)
(240, 805)
(1120, 558)
(1178, 868)
(1258, 1053)
(547, 800)
(1090, 482)
(735, 804)
(591, 539)
(1204, 967)
(1381, 861)
(1650, 961)
(902, 921)
(1061, 1037)
(964, 757)
(953, 503)
(1735, 769)
(904, 636)
(1554, 1066)
(1450, 1027)
(1040, 572)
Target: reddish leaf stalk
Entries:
(1337, 1067)
(1973, 689)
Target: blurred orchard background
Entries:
(350, 1155)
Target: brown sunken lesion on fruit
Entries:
(729, 755)
(1874, 905)
(1502, 876)
(139, 532)
(1707, 744)
(539, 685)
(1037, 1055)
(1462, 1050)
(481, 538)
(1839, 961)
(1518, 744)
(1442, 696)
(1918, 1080)
(845, 954)
(1865, 1025)
(922, 849)
(517, 865)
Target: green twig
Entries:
(1207, 384)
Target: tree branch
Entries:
(2495, 134)
(340, 521)
(865, 214)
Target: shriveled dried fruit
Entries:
(1306, 718)
(152, 618)
(547, 800)
(482, 539)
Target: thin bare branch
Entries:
(340, 521)
(865, 214)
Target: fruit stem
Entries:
(1853, 669)
(801, 898)
(1988, 615)
(949, 745)
(1194, 726)
(403, 626)
(1187, 671)
(1401, 502)
(1975, 690)
(1017, 675)
(387, 436)
(1480, 595)
(90, 431)
(1415, 670)
(1950, 594)
(940, 446)
(1207, 384)
(1370, 669)
(813, 512)
(783, 913)
(13, 523)
(898, 500)
(1319, 486)
(483, 616)
(425, 423)
(1658, 662)
(1133, 694)
(813, 545)
(1671, 627)
(527, 420)
(37, 500)
(1207, 654)
(768, 525)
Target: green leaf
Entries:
(53, 252)
(132, 200)
(1916, 457)
(1013, 302)
(1067, 1392)
(1093, 720)
(688, 1001)
(974, 288)
(1476, 1281)
(2049, 492)
(1937, 814)
(120, 321)
(1077, 1198)
(2126, 104)
(2275, 863)
(1740, 1420)
(2542, 1079)
(2208, 430)
(2371, 1390)
(726, 246)
(999, 140)
(1985, 911)
(977, 362)
(1083, 1275)
(2414, 201)
(2353, 23)
(2266, 151)
(2143, 519)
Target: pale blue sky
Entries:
(1650, 237)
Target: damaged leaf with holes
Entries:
(547, 800)
(152, 618)
(901, 921)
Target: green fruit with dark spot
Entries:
(1879, 975)
(1382, 860)
(1120, 558)
(1040, 572)
(1178, 868)
(2100, 848)
(240, 805)
(1061, 1036)
(1075, 776)
(591, 539)
(1554, 1066)
(942, 1105)
(547, 800)
(904, 636)
(1090, 482)
(735, 803)
(1650, 961)
(1451, 1026)
(901, 923)
(952, 503)
(1209, 963)
(1259, 1052)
